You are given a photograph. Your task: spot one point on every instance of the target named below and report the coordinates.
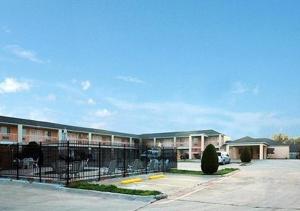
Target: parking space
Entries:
(172, 184)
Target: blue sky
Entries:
(151, 66)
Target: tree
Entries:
(31, 150)
(282, 138)
(246, 155)
(209, 161)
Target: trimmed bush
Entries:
(209, 162)
(246, 155)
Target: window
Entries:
(270, 150)
(4, 130)
(48, 133)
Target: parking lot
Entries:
(263, 185)
(174, 184)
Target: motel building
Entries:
(260, 148)
(189, 144)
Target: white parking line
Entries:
(205, 185)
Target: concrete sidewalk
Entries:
(22, 196)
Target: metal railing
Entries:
(74, 161)
(38, 138)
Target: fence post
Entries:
(175, 158)
(124, 160)
(146, 170)
(99, 161)
(40, 162)
(68, 162)
(163, 158)
(17, 159)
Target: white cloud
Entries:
(22, 53)
(103, 113)
(98, 125)
(90, 101)
(11, 85)
(85, 85)
(40, 115)
(172, 116)
(130, 79)
(242, 88)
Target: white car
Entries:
(223, 158)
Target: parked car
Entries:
(223, 158)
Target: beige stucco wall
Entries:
(214, 140)
(280, 152)
(234, 153)
(182, 142)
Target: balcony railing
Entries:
(182, 144)
(38, 138)
(78, 140)
(9, 137)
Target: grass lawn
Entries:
(112, 189)
(190, 172)
(189, 161)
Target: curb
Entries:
(112, 195)
(58, 187)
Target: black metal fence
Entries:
(71, 161)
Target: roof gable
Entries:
(248, 139)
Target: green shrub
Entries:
(209, 162)
(246, 155)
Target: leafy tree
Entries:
(31, 150)
(209, 161)
(282, 138)
(246, 155)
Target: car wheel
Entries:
(223, 162)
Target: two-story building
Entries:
(190, 144)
